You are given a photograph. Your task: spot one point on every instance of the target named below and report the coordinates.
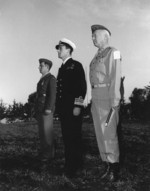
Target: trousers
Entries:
(46, 132)
(107, 138)
(72, 137)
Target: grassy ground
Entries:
(21, 170)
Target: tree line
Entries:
(138, 107)
(15, 111)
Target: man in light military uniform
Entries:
(71, 90)
(105, 78)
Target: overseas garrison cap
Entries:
(46, 61)
(65, 41)
(99, 27)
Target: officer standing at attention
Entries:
(105, 78)
(44, 108)
(71, 91)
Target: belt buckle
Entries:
(98, 85)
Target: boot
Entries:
(113, 173)
(106, 171)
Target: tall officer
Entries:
(71, 91)
(105, 78)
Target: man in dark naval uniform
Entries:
(71, 91)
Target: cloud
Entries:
(121, 11)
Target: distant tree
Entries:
(138, 102)
(16, 110)
(30, 106)
(147, 102)
(3, 109)
(29, 111)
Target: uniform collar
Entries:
(45, 75)
(66, 59)
(103, 51)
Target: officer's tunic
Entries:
(45, 100)
(105, 75)
(71, 90)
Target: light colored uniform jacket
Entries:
(105, 78)
(105, 68)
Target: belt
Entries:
(100, 85)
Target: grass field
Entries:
(21, 170)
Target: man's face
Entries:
(98, 38)
(62, 51)
(43, 68)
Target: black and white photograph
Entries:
(74, 95)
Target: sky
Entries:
(30, 29)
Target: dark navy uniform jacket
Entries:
(71, 85)
(46, 93)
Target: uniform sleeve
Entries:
(81, 87)
(78, 85)
(115, 78)
(51, 94)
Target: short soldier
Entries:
(71, 91)
(45, 97)
(105, 79)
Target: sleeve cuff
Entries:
(79, 101)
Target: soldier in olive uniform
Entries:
(105, 78)
(44, 108)
(71, 91)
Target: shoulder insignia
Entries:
(116, 54)
(71, 66)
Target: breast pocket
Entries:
(100, 72)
